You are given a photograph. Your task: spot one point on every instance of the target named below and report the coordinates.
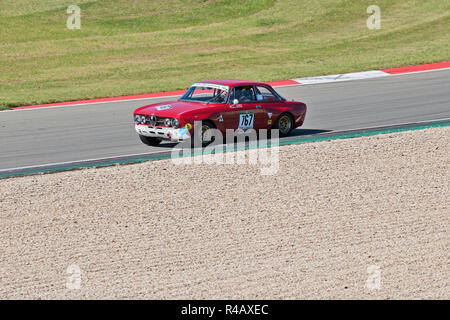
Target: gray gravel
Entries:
(156, 230)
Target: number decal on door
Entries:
(246, 120)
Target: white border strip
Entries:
(343, 77)
(356, 76)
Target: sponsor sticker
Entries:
(185, 130)
(211, 85)
(164, 107)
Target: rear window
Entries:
(264, 94)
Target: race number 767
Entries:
(246, 120)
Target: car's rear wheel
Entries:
(150, 141)
(284, 124)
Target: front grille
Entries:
(155, 121)
(160, 121)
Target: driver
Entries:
(221, 97)
(244, 94)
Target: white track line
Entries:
(80, 161)
(89, 103)
(388, 125)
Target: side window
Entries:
(264, 94)
(243, 94)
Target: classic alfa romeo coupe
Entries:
(218, 104)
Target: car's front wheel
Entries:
(204, 136)
(150, 141)
(285, 124)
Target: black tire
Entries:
(286, 121)
(150, 141)
(198, 135)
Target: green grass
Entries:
(134, 46)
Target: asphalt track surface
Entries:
(62, 134)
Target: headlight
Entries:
(143, 119)
(168, 122)
(152, 120)
(175, 123)
(137, 118)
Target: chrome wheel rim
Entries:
(284, 124)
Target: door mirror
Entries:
(235, 104)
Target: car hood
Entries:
(170, 109)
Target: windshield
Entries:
(207, 92)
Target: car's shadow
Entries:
(294, 133)
(307, 132)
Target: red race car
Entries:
(219, 104)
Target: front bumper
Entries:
(164, 133)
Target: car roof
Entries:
(232, 83)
